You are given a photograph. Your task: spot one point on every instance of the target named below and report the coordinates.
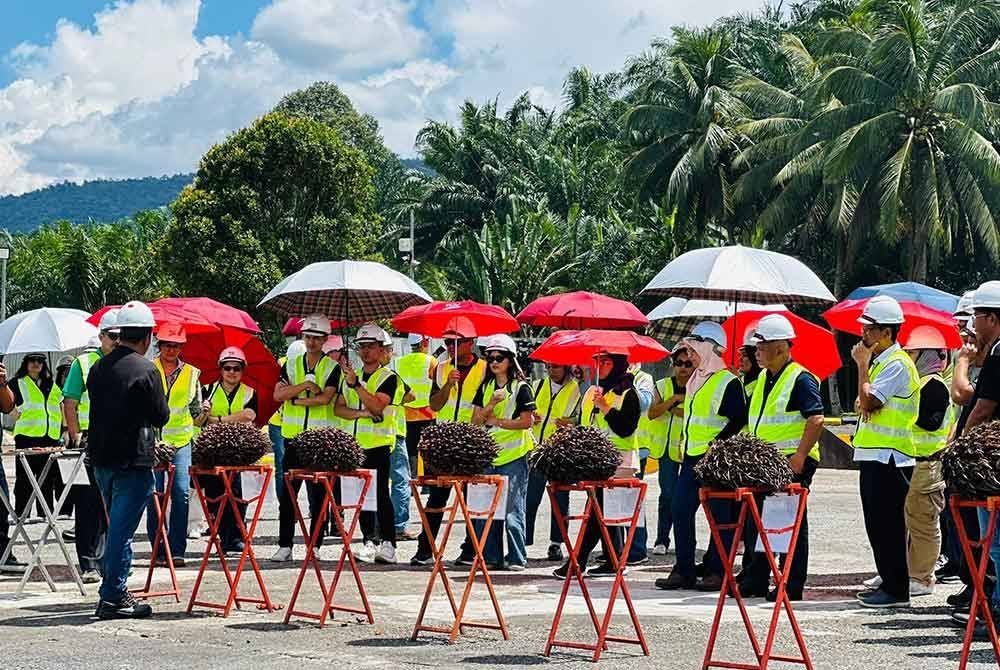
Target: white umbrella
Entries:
(740, 274)
(350, 292)
(44, 330)
(674, 318)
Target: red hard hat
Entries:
(171, 331)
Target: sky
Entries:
(95, 89)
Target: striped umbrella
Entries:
(674, 318)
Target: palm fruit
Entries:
(971, 462)
(744, 460)
(326, 450)
(576, 454)
(163, 453)
(233, 444)
(462, 449)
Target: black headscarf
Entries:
(619, 379)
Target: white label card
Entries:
(779, 512)
(619, 505)
(480, 497)
(66, 466)
(350, 492)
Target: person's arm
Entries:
(867, 401)
(440, 395)
(482, 408)
(806, 398)
(734, 408)
(159, 411)
(341, 409)
(524, 411)
(661, 406)
(989, 393)
(376, 402)
(285, 391)
(623, 421)
(962, 389)
(935, 401)
(6, 397)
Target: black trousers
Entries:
(378, 459)
(758, 568)
(90, 523)
(229, 530)
(414, 429)
(592, 535)
(287, 524)
(23, 490)
(883, 495)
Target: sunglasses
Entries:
(111, 336)
(36, 359)
(232, 368)
(683, 364)
(496, 359)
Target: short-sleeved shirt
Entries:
(206, 394)
(312, 370)
(73, 387)
(463, 372)
(893, 380)
(734, 408)
(524, 402)
(387, 387)
(987, 386)
(805, 398)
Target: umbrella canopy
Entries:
(293, 327)
(581, 309)
(212, 311)
(44, 330)
(674, 318)
(578, 347)
(739, 274)
(815, 348)
(844, 317)
(465, 318)
(909, 291)
(261, 373)
(192, 322)
(352, 292)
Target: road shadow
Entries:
(507, 659)
(377, 642)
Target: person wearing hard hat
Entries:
(399, 459)
(181, 387)
(127, 407)
(417, 371)
(666, 419)
(715, 408)
(367, 404)
(645, 387)
(38, 426)
(295, 348)
(557, 404)
(888, 402)
(749, 368)
(228, 400)
(935, 419)
(785, 409)
(306, 388)
(89, 520)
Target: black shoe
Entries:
(701, 570)
(603, 570)
(676, 581)
(234, 548)
(793, 595)
(464, 561)
(555, 552)
(420, 560)
(750, 590)
(13, 565)
(962, 599)
(947, 573)
(881, 600)
(69, 535)
(126, 608)
(642, 560)
(497, 567)
(710, 584)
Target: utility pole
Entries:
(406, 247)
(4, 255)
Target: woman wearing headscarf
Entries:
(715, 408)
(611, 406)
(749, 368)
(39, 425)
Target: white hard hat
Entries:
(232, 354)
(964, 307)
(371, 333)
(924, 337)
(710, 330)
(135, 314)
(333, 343)
(485, 341)
(93, 343)
(386, 339)
(882, 310)
(109, 321)
(774, 327)
(968, 326)
(415, 339)
(749, 339)
(315, 324)
(499, 343)
(987, 296)
(296, 349)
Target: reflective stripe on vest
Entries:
(275, 419)
(415, 370)
(929, 442)
(644, 433)
(513, 443)
(222, 406)
(771, 421)
(179, 430)
(563, 406)
(459, 407)
(666, 431)
(591, 416)
(397, 400)
(369, 433)
(86, 362)
(702, 422)
(295, 418)
(749, 387)
(891, 426)
(40, 416)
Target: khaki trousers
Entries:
(924, 504)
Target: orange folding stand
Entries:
(980, 599)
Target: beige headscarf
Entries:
(707, 362)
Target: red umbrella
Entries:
(192, 323)
(815, 348)
(293, 327)
(580, 310)
(261, 374)
(578, 347)
(450, 320)
(844, 317)
(212, 311)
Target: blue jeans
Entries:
(685, 507)
(180, 494)
(639, 550)
(126, 494)
(399, 473)
(513, 526)
(984, 522)
(278, 444)
(667, 475)
(4, 521)
(536, 491)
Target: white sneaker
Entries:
(90, 577)
(386, 553)
(918, 589)
(516, 567)
(366, 552)
(283, 555)
(660, 550)
(872, 583)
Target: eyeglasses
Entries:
(496, 359)
(683, 364)
(114, 337)
(232, 368)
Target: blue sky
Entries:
(127, 88)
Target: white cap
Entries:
(710, 330)
(924, 337)
(415, 339)
(135, 314)
(964, 307)
(499, 343)
(987, 296)
(315, 324)
(109, 321)
(774, 327)
(882, 310)
(296, 349)
(371, 333)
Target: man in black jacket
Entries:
(126, 406)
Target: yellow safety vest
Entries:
(929, 442)
(415, 370)
(222, 406)
(179, 430)
(40, 416)
(591, 416)
(296, 418)
(702, 422)
(666, 431)
(770, 419)
(562, 406)
(276, 417)
(749, 387)
(459, 406)
(513, 443)
(86, 362)
(891, 426)
(369, 433)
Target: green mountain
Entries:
(100, 200)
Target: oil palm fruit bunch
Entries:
(163, 453)
(576, 454)
(327, 450)
(971, 463)
(450, 448)
(744, 461)
(234, 444)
